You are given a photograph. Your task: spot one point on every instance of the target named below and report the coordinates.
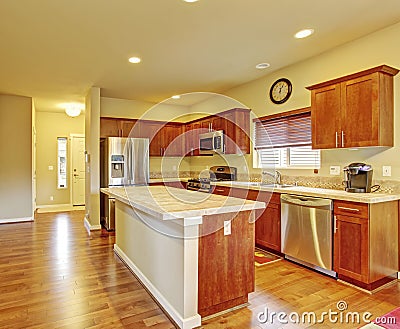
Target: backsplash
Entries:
(328, 182)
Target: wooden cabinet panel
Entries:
(152, 131)
(109, 127)
(226, 263)
(222, 190)
(172, 140)
(325, 117)
(354, 209)
(354, 111)
(128, 128)
(351, 246)
(268, 227)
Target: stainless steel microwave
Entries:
(212, 142)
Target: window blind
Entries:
(287, 131)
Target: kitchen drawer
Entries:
(222, 190)
(354, 209)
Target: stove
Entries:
(217, 173)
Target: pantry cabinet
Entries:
(366, 242)
(354, 111)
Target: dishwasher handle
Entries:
(306, 201)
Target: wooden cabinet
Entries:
(268, 223)
(366, 242)
(178, 139)
(114, 127)
(172, 140)
(354, 111)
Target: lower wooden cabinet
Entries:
(366, 242)
(268, 223)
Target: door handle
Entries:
(336, 139)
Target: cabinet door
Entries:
(268, 227)
(237, 131)
(109, 127)
(360, 111)
(172, 140)
(152, 130)
(189, 140)
(127, 126)
(231, 146)
(351, 247)
(325, 117)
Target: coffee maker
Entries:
(358, 177)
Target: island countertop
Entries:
(168, 203)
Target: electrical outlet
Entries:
(51, 168)
(173, 167)
(227, 227)
(334, 170)
(387, 171)
(51, 198)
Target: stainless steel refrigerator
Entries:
(123, 162)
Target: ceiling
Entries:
(55, 51)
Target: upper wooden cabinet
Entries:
(177, 139)
(115, 127)
(354, 111)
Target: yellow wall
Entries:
(15, 157)
(381, 47)
(50, 126)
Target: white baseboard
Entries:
(16, 220)
(187, 323)
(91, 227)
(57, 208)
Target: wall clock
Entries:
(280, 91)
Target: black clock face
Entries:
(280, 91)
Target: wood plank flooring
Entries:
(54, 275)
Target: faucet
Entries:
(276, 175)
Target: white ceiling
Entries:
(55, 50)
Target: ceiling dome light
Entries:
(304, 33)
(176, 96)
(134, 60)
(73, 110)
(262, 66)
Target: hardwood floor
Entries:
(54, 275)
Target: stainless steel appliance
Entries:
(358, 177)
(216, 173)
(307, 231)
(212, 142)
(123, 161)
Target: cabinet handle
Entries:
(335, 228)
(336, 139)
(342, 138)
(220, 190)
(349, 209)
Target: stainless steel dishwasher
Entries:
(306, 231)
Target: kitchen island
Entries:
(193, 251)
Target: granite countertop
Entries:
(173, 179)
(173, 203)
(317, 192)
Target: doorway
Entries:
(78, 170)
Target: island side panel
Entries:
(158, 260)
(226, 262)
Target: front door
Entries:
(78, 171)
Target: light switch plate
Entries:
(334, 170)
(387, 171)
(227, 227)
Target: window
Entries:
(62, 162)
(284, 141)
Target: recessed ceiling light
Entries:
(176, 97)
(190, 0)
(304, 33)
(262, 66)
(135, 60)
